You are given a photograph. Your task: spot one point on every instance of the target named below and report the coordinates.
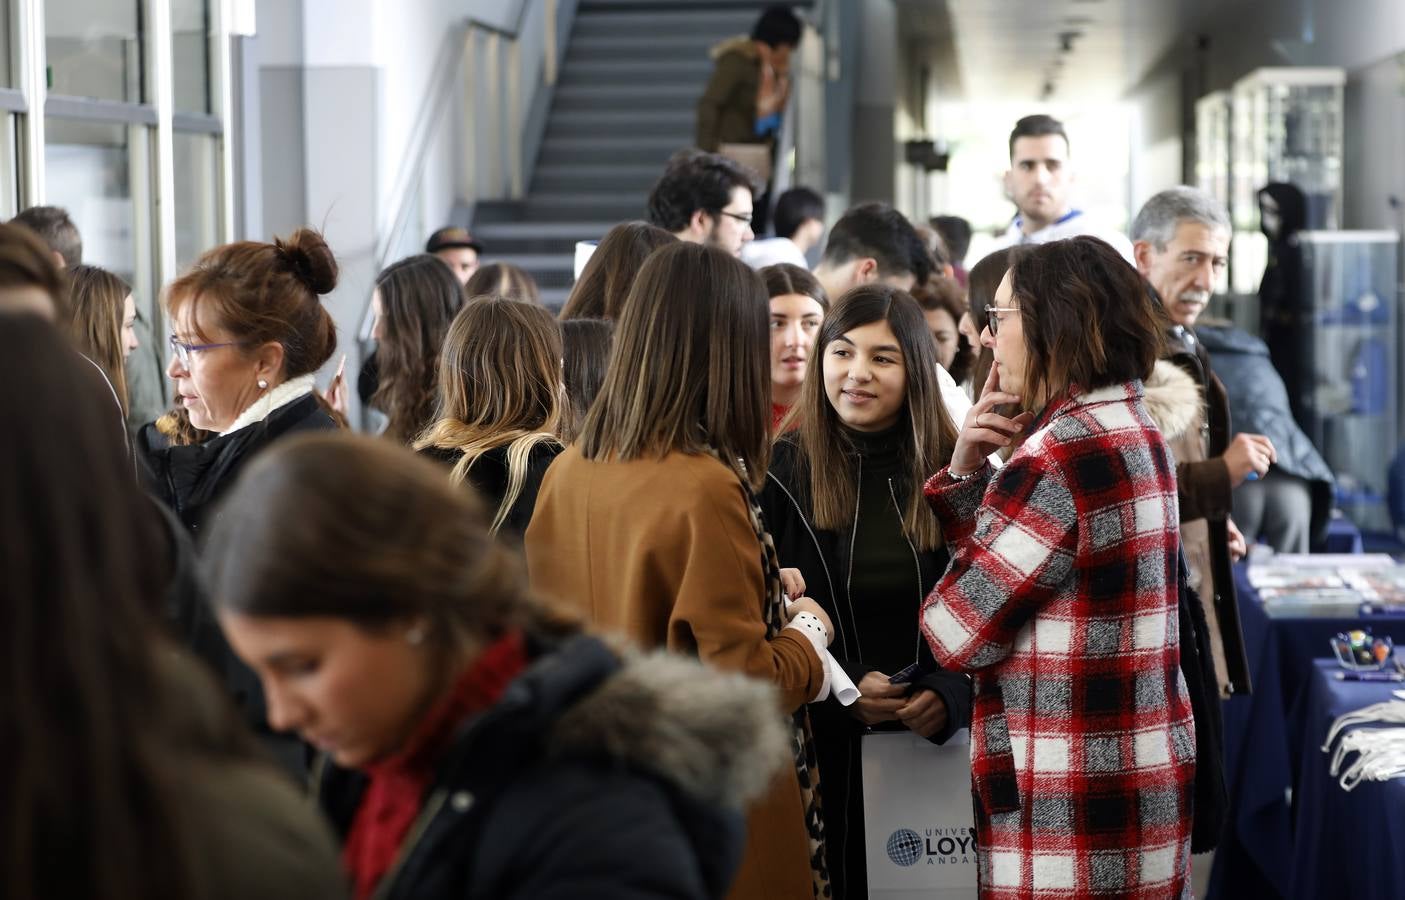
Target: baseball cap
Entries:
(451, 237)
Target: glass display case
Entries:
(1286, 127)
(1213, 113)
(1337, 345)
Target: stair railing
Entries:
(489, 67)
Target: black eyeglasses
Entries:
(744, 219)
(992, 321)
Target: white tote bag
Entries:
(919, 822)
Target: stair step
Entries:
(624, 150)
(629, 93)
(541, 237)
(612, 206)
(632, 72)
(553, 298)
(602, 177)
(674, 124)
(722, 22)
(640, 48)
(580, 230)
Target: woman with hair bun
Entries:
(250, 331)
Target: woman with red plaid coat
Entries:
(1061, 595)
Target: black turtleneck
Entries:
(883, 578)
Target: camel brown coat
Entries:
(663, 551)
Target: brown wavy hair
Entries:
(982, 281)
(503, 280)
(586, 347)
(942, 293)
(608, 274)
(98, 730)
(96, 298)
(262, 293)
(926, 433)
(26, 262)
(499, 385)
(419, 298)
(1088, 319)
(691, 366)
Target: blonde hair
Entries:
(499, 385)
(97, 298)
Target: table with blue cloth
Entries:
(1347, 844)
(1264, 736)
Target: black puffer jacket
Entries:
(490, 475)
(190, 479)
(823, 559)
(1258, 404)
(592, 777)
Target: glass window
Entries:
(101, 173)
(9, 166)
(190, 52)
(7, 77)
(197, 173)
(94, 49)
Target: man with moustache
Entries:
(1180, 241)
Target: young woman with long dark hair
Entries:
(414, 301)
(124, 772)
(844, 502)
(798, 304)
(648, 523)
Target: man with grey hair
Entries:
(56, 230)
(1180, 241)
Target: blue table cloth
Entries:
(1348, 844)
(1263, 735)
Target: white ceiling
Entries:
(1010, 49)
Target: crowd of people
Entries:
(606, 605)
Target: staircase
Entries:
(624, 102)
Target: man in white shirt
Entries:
(1039, 183)
(799, 226)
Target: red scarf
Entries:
(397, 787)
(778, 411)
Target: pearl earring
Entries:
(263, 385)
(415, 635)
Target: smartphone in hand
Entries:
(905, 676)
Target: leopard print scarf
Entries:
(806, 763)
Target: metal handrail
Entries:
(448, 63)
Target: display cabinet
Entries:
(1334, 335)
(1286, 127)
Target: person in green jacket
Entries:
(750, 84)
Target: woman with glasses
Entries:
(1061, 598)
(250, 331)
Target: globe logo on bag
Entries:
(905, 847)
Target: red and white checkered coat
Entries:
(1061, 599)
